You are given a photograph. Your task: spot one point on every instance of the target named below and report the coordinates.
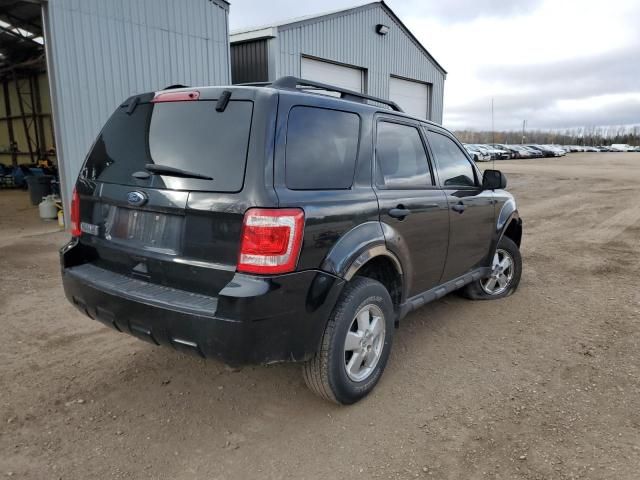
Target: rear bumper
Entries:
(253, 320)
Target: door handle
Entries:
(399, 212)
(458, 207)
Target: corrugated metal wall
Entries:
(249, 62)
(351, 39)
(101, 52)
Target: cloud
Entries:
(252, 13)
(618, 109)
(454, 11)
(617, 71)
(603, 89)
(555, 63)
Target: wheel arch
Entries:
(508, 224)
(380, 264)
(513, 230)
(363, 251)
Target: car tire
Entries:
(503, 280)
(351, 359)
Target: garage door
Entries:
(326, 72)
(413, 97)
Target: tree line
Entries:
(591, 136)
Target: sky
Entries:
(553, 63)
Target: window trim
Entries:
(286, 143)
(385, 118)
(474, 167)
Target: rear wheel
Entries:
(505, 274)
(355, 345)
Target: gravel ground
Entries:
(542, 385)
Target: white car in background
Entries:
(621, 147)
(477, 154)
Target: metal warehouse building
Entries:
(367, 49)
(98, 53)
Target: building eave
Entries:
(271, 31)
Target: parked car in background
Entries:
(506, 151)
(494, 153)
(620, 147)
(497, 153)
(520, 151)
(546, 151)
(535, 153)
(560, 152)
(476, 154)
(482, 148)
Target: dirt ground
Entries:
(542, 385)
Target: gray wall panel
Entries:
(350, 38)
(101, 52)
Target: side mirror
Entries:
(493, 180)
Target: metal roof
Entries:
(270, 30)
(21, 40)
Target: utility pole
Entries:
(493, 135)
(524, 123)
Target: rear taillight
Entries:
(271, 240)
(161, 97)
(75, 214)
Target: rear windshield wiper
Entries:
(174, 172)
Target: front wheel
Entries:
(355, 345)
(505, 274)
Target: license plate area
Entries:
(158, 232)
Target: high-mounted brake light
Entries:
(176, 96)
(75, 214)
(271, 240)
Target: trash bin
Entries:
(39, 186)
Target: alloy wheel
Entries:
(364, 343)
(501, 275)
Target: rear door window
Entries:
(322, 146)
(191, 136)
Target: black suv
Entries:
(262, 224)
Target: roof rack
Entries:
(292, 83)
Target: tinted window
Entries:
(191, 136)
(401, 161)
(322, 146)
(454, 168)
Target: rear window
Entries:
(322, 146)
(191, 136)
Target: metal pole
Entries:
(36, 119)
(493, 130)
(7, 107)
(24, 118)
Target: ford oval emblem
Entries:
(137, 198)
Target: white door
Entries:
(413, 97)
(337, 75)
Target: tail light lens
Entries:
(271, 240)
(75, 214)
